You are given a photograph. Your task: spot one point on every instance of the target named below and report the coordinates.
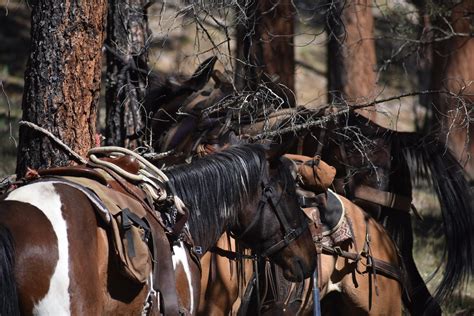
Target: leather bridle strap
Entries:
(290, 233)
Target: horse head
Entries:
(279, 224)
(251, 193)
(166, 95)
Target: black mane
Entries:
(215, 187)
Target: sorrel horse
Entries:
(375, 168)
(55, 253)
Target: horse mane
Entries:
(216, 187)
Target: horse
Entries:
(166, 95)
(348, 285)
(375, 169)
(56, 253)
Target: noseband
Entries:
(291, 234)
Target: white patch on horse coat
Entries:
(334, 287)
(180, 256)
(43, 196)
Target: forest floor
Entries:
(173, 53)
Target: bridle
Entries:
(290, 233)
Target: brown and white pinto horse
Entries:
(55, 254)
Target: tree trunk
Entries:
(454, 71)
(351, 53)
(265, 44)
(127, 36)
(62, 80)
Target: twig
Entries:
(10, 129)
(346, 108)
(76, 156)
(158, 156)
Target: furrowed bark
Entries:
(62, 80)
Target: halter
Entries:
(291, 234)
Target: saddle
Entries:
(140, 215)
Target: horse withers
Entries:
(56, 253)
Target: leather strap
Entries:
(384, 198)
(245, 300)
(163, 273)
(74, 171)
(231, 255)
(385, 268)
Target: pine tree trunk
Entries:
(62, 80)
(127, 36)
(351, 53)
(454, 71)
(265, 44)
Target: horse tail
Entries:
(428, 158)
(8, 293)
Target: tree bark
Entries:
(454, 71)
(351, 53)
(265, 44)
(127, 36)
(62, 80)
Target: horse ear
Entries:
(202, 74)
(231, 139)
(221, 80)
(279, 147)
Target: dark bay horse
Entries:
(347, 287)
(55, 253)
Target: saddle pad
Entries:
(113, 200)
(329, 206)
(339, 235)
(332, 215)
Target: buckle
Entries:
(197, 250)
(337, 250)
(290, 236)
